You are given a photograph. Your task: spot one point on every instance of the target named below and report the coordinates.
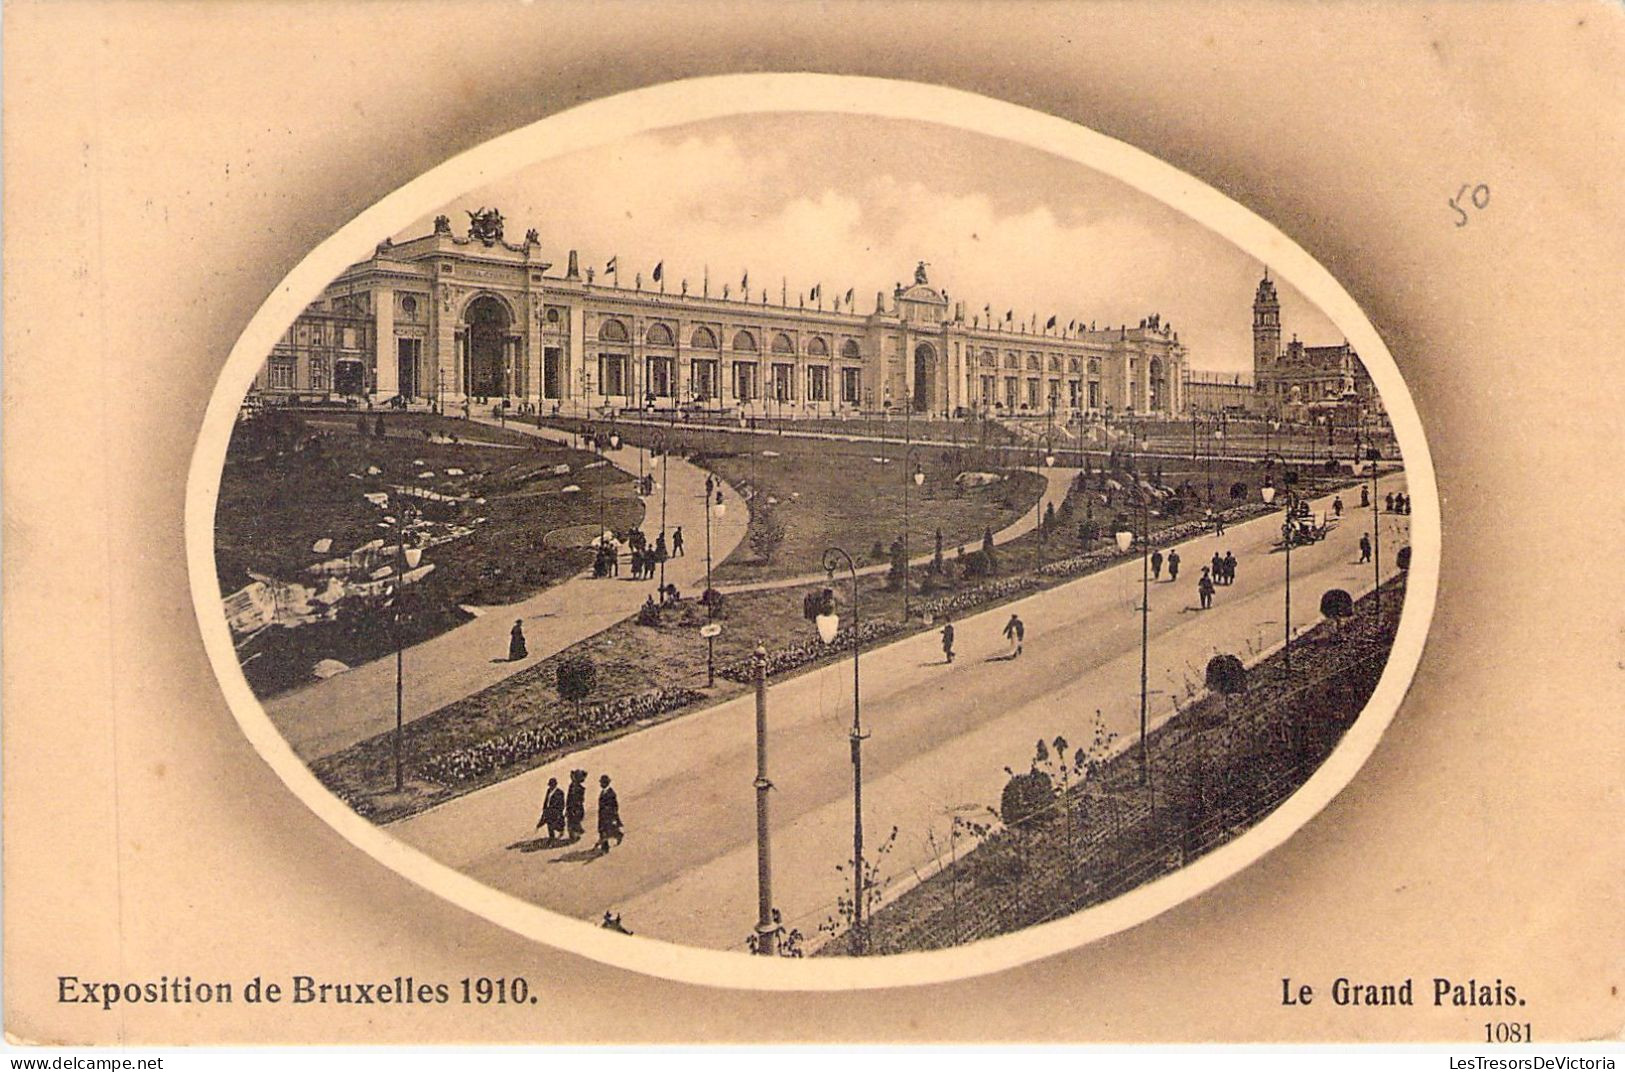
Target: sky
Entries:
(855, 202)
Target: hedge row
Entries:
(508, 749)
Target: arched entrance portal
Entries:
(925, 377)
(486, 372)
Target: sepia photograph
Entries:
(740, 535)
(534, 530)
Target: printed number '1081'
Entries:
(1507, 1032)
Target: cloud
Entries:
(856, 202)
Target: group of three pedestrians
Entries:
(565, 813)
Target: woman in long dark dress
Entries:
(609, 816)
(516, 642)
(575, 805)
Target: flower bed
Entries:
(498, 753)
(783, 660)
(974, 597)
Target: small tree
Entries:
(1337, 604)
(936, 559)
(1238, 491)
(1049, 517)
(1403, 559)
(899, 563)
(1227, 677)
(577, 677)
(987, 541)
(766, 535)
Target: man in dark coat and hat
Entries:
(516, 642)
(609, 816)
(552, 811)
(575, 805)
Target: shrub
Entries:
(1025, 798)
(1337, 604)
(1238, 491)
(649, 614)
(1403, 559)
(766, 535)
(577, 677)
(979, 564)
(1226, 675)
(714, 600)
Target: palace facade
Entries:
(446, 318)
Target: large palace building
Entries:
(445, 318)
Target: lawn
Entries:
(827, 492)
(498, 520)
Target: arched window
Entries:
(1054, 363)
(658, 335)
(818, 347)
(989, 358)
(782, 344)
(744, 340)
(849, 348)
(612, 331)
(704, 339)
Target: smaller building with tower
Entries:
(1300, 382)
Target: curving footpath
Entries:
(327, 716)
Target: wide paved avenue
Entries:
(939, 739)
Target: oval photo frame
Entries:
(674, 104)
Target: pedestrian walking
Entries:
(1014, 632)
(1405, 502)
(1216, 568)
(552, 811)
(660, 548)
(516, 641)
(1365, 497)
(1173, 566)
(1204, 589)
(1218, 522)
(609, 816)
(1229, 568)
(948, 640)
(1337, 505)
(1365, 547)
(1156, 565)
(575, 805)
(677, 542)
(1388, 503)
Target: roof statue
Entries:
(485, 224)
(919, 274)
(442, 225)
(533, 237)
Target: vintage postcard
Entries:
(507, 554)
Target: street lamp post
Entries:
(665, 472)
(410, 557)
(916, 477)
(1125, 540)
(1267, 492)
(764, 862)
(713, 503)
(829, 624)
(1372, 455)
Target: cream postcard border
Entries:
(677, 103)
